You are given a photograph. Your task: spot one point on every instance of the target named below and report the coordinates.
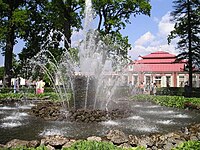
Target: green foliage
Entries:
(84, 145)
(189, 145)
(173, 91)
(187, 26)
(170, 101)
(113, 17)
(94, 145)
(116, 13)
(17, 96)
(1, 73)
(118, 48)
(177, 91)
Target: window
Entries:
(194, 81)
(135, 80)
(148, 82)
(168, 81)
(158, 81)
(181, 81)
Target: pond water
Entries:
(146, 117)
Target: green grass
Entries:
(170, 101)
(189, 145)
(85, 145)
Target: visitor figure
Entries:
(154, 89)
(130, 87)
(16, 85)
(186, 90)
(151, 88)
(144, 87)
(40, 86)
(141, 88)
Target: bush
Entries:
(94, 145)
(18, 96)
(24, 89)
(189, 145)
(170, 101)
(177, 91)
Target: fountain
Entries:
(93, 80)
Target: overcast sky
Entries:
(146, 34)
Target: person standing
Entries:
(151, 88)
(40, 86)
(154, 89)
(16, 85)
(37, 86)
(130, 86)
(186, 90)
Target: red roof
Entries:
(159, 54)
(158, 67)
(153, 61)
(159, 61)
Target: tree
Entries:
(187, 27)
(1, 73)
(114, 15)
(11, 17)
(48, 23)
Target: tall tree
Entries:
(11, 17)
(1, 73)
(48, 22)
(65, 17)
(186, 15)
(114, 15)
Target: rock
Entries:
(68, 144)
(125, 146)
(133, 140)
(117, 137)
(198, 136)
(49, 147)
(168, 146)
(145, 142)
(16, 143)
(2, 146)
(55, 141)
(193, 138)
(48, 111)
(185, 130)
(33, 143)
(94, 138)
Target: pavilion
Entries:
(161, 68)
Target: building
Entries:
(161, 68)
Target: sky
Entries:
(146, 34)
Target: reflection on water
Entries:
(48, 132)
(11, 124)
(166, 122)
(110, 122)
(136, 118)
(16, 122)
(180, 116)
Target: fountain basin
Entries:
(16, 121)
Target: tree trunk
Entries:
(189, 47)
(9, 54)
(67, 23)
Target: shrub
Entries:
(189, 145)
(94, 145)
(170, 101)
(177, 91)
